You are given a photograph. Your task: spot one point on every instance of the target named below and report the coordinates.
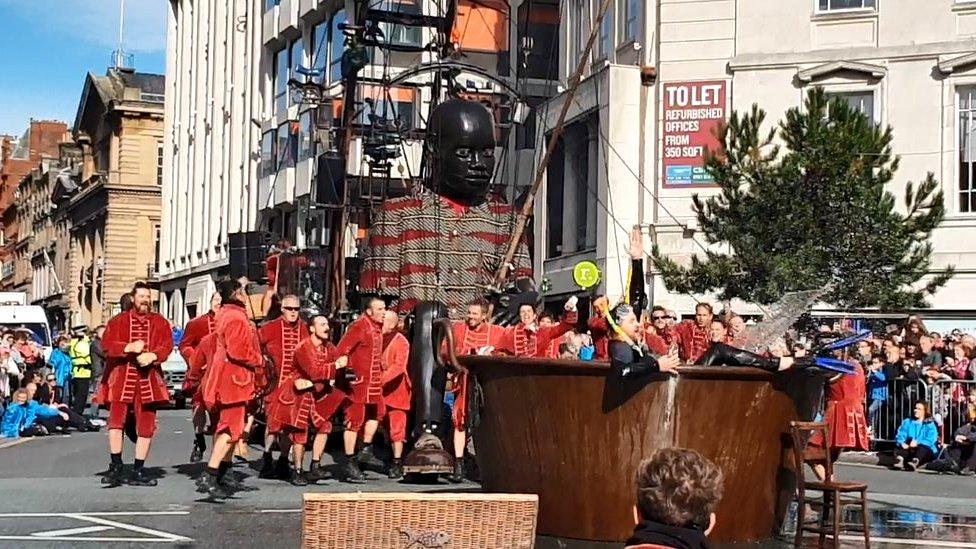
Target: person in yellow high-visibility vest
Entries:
(81, 368)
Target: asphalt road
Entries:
(50, 496)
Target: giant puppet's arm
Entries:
(380, 274)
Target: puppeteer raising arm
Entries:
(627, 356)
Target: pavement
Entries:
(50, 496)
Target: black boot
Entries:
(140, 478)
(367, 459)
(282, 467)
(207, 484)
(396, 469)
(351, 472)
(298, 478)
(316, 473)
(197, 453)
(457, 476)
(268, 467)
(114, 475)
(720, 354)
(227, 480)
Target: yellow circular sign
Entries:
(586, 274)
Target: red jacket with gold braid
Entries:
(363, 344)
(425, 247)
(197, 365)
(692, 340)
(230, 375)
(316, 364)
(519, 341)
(195, 331)
(396, 379)
(124, 380)
(280, 340)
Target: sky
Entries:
(47, 47)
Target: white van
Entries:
(31, 318)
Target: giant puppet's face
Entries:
(461, 140)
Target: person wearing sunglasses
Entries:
(660, 336)
(279, 339)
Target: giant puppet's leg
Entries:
(429, 378)
(720, 354)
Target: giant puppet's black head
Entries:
(461, 141)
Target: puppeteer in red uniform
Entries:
(529, 339)
(694, 337)
(473, 336)
(193, 334)
(230, 380)
(136, 342)
(396, 389)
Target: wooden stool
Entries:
(804, 454)
(402, 519)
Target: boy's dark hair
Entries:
(227, 288)
(678, 487)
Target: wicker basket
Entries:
(419, 521)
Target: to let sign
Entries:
(692, 113)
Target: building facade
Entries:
(112, 204)
(211, 145)
(17, 158)
(712, 56)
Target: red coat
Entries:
(396, 379)
(195, 331)
(124, 380)
(660, 344)
(600, 332)
(197, 365)
(293, 408)
(468, 340)
(692, 340)
(846, 424)
(230, 375)
(521, 342)
(279, 341)
(363, 344)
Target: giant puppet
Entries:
(434, 251)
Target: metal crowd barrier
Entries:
(947, 399)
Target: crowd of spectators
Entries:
(42, 395)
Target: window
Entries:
(409, 35)
(606, 32)
(297, 59)
(630, 19)
(267, 154)
(397, 104)
(539, 45)
(967, 149)
(572, 188)
(338, 46)
(159, 163)
(862, 101)
(319, 48)
(842, 5)
(281, 72)
(287, 144)
(306, 136)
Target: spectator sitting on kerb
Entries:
(677, 493)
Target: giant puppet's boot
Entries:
(429, 377)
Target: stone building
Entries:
(111, 203)
(673, 60)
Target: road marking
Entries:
(71, 531)
(82, 538)
(15, 442)
(903, 541)
(96, 514)
(131, 527)
(280, 511)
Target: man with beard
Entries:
(362, 344)
(309, 381)
(528, 338)
(694, 336)
(229, 382)
(396, 388)
(193, 334)
(472, 337)
(279, 339)
(135, 344)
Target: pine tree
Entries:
(812, 212)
